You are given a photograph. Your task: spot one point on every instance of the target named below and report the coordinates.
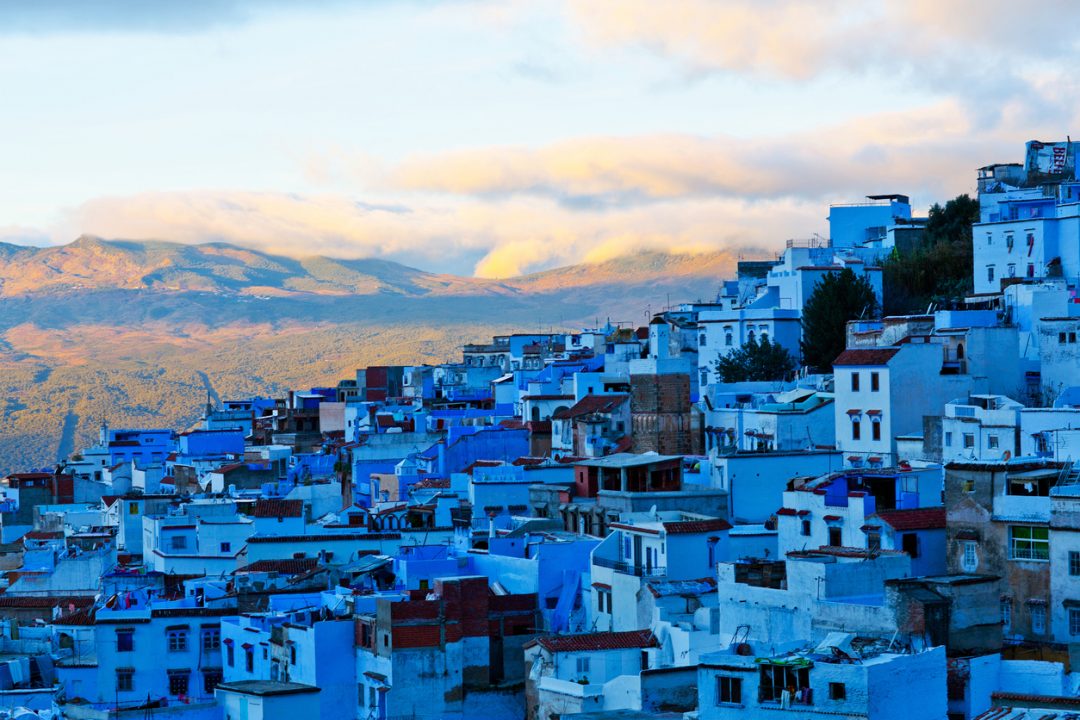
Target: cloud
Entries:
(797, 40)
(930, 152)
(984, 51)
(490, 238)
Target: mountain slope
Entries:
(135, 331)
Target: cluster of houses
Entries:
(591, 525)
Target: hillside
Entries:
(138, 332)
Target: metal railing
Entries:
(625, 568)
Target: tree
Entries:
(837, 298)
(756, 360)
(940, 269)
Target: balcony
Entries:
(625, 568)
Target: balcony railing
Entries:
(625, 568)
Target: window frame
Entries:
(1030, 548)
(176, 640)
(728, 690)
(183, 678)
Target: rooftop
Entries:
(597, 641)
(267, 688)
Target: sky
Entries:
(496, 138)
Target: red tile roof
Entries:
(43, 535)
(289, 566)
(35, 602)
(591, 404)
(685, 527)
(932, 518)
(529, 461)
(866, 356)
(265, 508)
(589, 642)
(482, 463)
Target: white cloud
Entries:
(508, 236)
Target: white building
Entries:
(981, 427)
(832, 679)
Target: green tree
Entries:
(940, 269)
(756, 360)
(837, 298)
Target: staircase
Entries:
(1070, 474)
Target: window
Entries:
(835, 537)
(806, 527)
(1029, 543)
(992, 442)
(249, 659)
(226, 547)
(969, 441)
(728, 690)
(776, 680)
(125, 640)
(750, 337)
(909, 543)
(875, 431)
(701, 340)
(1072, 338)
(582, 665)
(873, 540)
(1012, 270)
(875, 382)
(1006, 613)
(292, 653)
(989, 273)
(230, 654)
(178, 542)
(969, 486)
(970, 559)
(856, 428)
(837, 691)
(948, 439)
(1074, 621)
(1038, 619)
(211, 639)
(1030, 270)
(1074, 563)
(125, 679)
(854, 382)
(177, 640)
(728, 337)
(210, 680)
(178, 682)
(1061, 338)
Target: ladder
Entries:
(1070, 474)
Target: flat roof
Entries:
(266, 688)
(622, 460)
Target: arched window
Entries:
(960, 351)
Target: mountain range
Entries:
(139, 332)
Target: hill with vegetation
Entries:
(139, 332)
